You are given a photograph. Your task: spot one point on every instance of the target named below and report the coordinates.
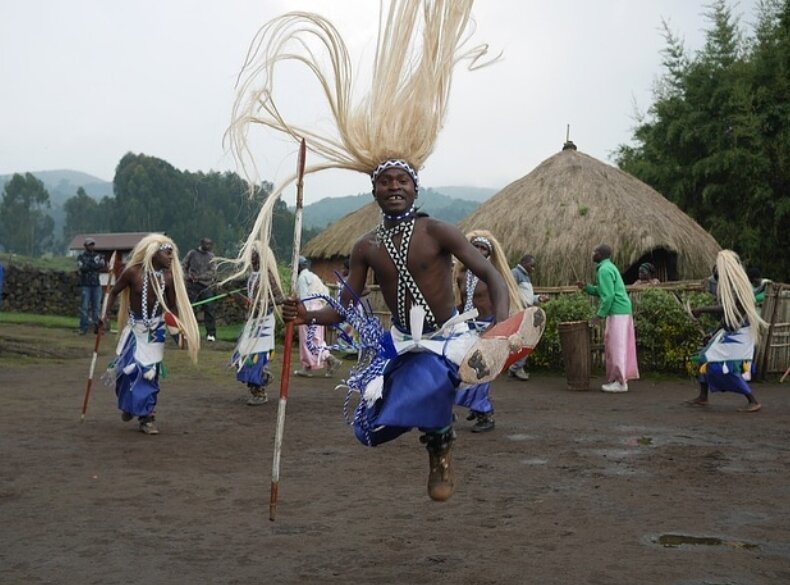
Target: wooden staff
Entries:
(99, 330)
(289, 334)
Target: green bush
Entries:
(560, 309)
(666, 335)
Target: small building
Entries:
(107, 244)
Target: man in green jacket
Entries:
(619, 338)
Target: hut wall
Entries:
(326, 268)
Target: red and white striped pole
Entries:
(289, 334)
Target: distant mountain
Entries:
(62, 185)
(327, 211)
(479, 194)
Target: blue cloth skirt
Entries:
(136, 395)
(475, 398)
(419, 391)
(252, 370)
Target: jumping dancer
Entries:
(388, 134)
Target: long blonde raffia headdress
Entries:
(419, 44)
(142, 255)
(499, 260)
(735, 292)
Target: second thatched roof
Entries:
(572, 202)
(337, 239)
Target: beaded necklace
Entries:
(399, 257)
(147, 318)
(471, 285)
(408, 213)
(252, 283)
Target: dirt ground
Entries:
(571, 487)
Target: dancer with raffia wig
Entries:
(388, 134)
(473, 294)
(726, 362)
(153, 300)
(256, 342)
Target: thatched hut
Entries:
(328, 249)
(572, 202)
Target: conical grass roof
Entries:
(572, 202)
(338, 238)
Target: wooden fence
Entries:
(773, 348)
(676, 288)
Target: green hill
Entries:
(327, 211)
(63, 184)
(479, 194)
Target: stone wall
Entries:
(54, 292)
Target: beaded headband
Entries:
(396, 164)
(483, 241)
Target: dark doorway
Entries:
(666, 263)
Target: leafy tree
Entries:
(715, 140)
(25, 227)
(82, 215)
(151, 195)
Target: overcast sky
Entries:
(85, 81)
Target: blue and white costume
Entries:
(412, 381)
(140, 351)
(475, 398)
(253, 350)
(255, 344)
(725, 363)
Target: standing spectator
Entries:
(309, 285)
(200, 276)
(522, 273)
(619, 338)
(89, 265)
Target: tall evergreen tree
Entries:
(715, 138)
(25, 226)
(82, 215)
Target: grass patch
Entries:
(53, 321)
(228, 332)
(64, 263)
(224, 332)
